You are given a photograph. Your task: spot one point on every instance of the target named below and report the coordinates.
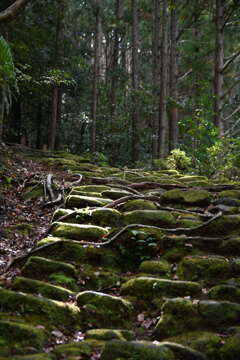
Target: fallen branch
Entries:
(49, 186)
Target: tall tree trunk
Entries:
(163, 84)
(56, 102)
(173, 112)
(155, 75)
(135, 85)
(96, 73)
(114, 66)
(2, 112)
(39, 125)
(218, 74)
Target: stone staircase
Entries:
(155, 275)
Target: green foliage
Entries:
(223, 158)
(178, 160)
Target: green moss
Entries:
(66, 281)
(75, 349)
(231, 246)
(75, 201)
(15, 335)
(104, 310)
(139, 204)
(96, 278)
(160, 267)
(40, 268)
(207, 342)
(109, 334)
(183, 315)
(78, 231)
(188, 197)
(48, 240)
(209, 270)
(235, 194)
(224, 225)
(153, 289)
(188, 223)
(115, 194)
(224, 292)
(55, 313)
(231, 349)
(31, 286)
(24, 229)
(159, 218)
(40, 356)
(121, 350)
(32, 192)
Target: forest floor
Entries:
(15, 174)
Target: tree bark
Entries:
(96, 77)
(135, 85)
(163, 84)
(155, 75)
(56, 101)
(173, 112)
(219, 63)
(11, 12)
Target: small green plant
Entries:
(177, 160)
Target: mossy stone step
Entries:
(181, 315)
(224, 292)
(16, 335)
(31, 286)
(233, 194)
(41, 268)
(187, 197)
(115, 194)
(73, 350)
(159, 218)
(109, 334)
(103, 310)
(154, 289)
(125, 350)
(78, 231)
(138, 204)
(157, 267)
(224, 225)
(100, 216)
(34, 309)
(77, 201)
(207, 269)
(91, 188)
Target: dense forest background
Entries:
(127, 80)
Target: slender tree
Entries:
(219, 63)
(155, 75)
(135, 84)
(163, 83)
(96, 72)
(56, 101)
(173, 84)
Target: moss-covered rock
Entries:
(139, 204)
(224, 292)
(181, 315)
(157, 267)
(23, 229)
(143, 350)
(15, 335)
(92, 277)
(40, 356)
(109, 334)
(100, 216)
(159, 218)
(63, 280)
(225, 201)
(187, 197)
(40, 268)
(35, 309)
(153, 289)
(32, 192)
(74, 350)
(115, 194)
(231, 246)
(234, 194)
(207, 269)
(188, 223)
(75, 201)
(224, 225)
(92, 188)
(31, 286)
(204, 341)
(78, 231)
(104, 310)
(230, 349)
